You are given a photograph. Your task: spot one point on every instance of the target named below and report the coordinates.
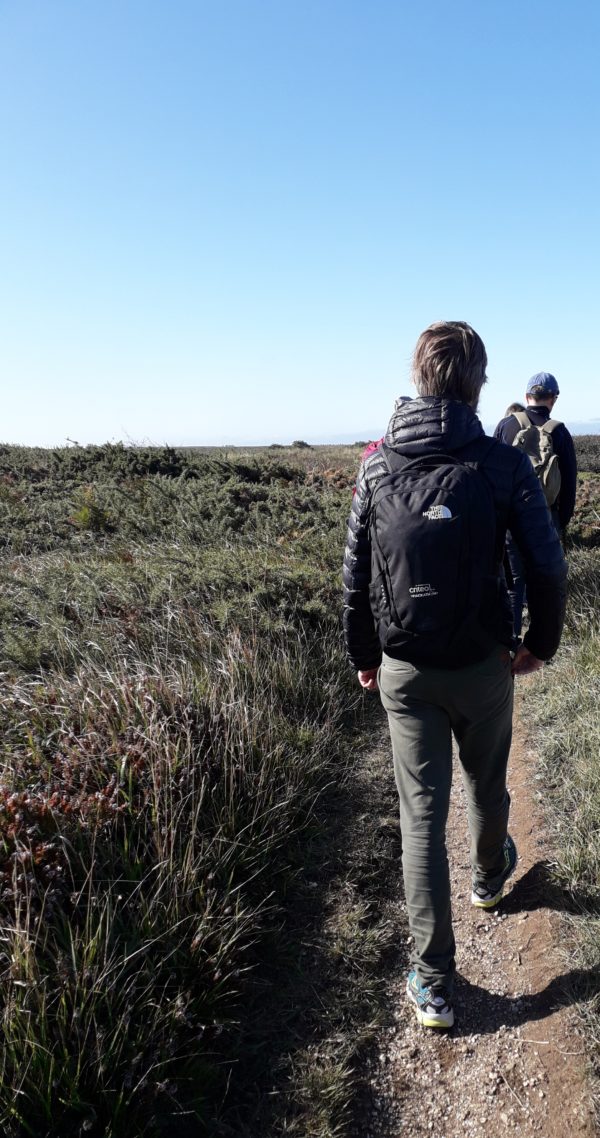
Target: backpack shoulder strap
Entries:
(551, 426)
(522, 419)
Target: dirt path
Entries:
(515, 1061)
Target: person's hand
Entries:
(368, 679)
(525, 662)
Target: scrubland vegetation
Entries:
(563, 707)
(176, 723)
(193, 892)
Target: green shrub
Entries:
(89, 515)
(587, 449)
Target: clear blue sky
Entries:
(230, 221)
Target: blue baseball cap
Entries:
(546, 381)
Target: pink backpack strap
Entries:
(371, 448)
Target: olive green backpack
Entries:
(537, 443)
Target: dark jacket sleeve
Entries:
(530, 523)
(362, 642)
(567, 459)
(501, 430)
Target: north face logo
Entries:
(434, 513)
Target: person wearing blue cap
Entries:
(541, 394)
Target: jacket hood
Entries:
(429, 424)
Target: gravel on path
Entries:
(516, 1058)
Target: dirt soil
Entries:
(516, 1059)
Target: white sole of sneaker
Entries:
(431, 1021)
(489, 904)
(427, 1019)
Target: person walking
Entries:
(541, 395)
(427, 621)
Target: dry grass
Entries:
(563, 708)
(186, 900)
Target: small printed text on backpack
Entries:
(423, 591)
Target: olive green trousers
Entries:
(425, 708)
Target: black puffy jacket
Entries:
(431, 425)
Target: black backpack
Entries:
(435, 590)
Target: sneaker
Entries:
(433, 1005)
(484, 897)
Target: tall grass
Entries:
(565, 709)
(172, 704)
(143, 857)
(562, 708)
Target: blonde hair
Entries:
(450, 362)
